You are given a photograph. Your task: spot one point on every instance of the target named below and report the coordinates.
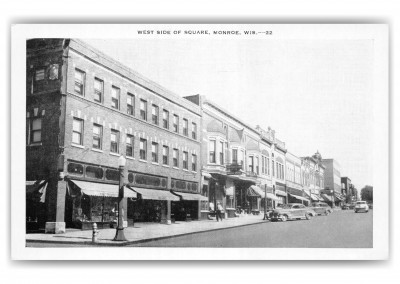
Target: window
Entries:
(35, 135)
(221, 153)
(143, 149)
(154, 152)
(251, 164)
(194, 130)
(143, 109)
(165, 153)
(194, 162)
(175, 156)
(185, 127)
(97, 136)
(98, 90)
(94, 172)
(77, 131)
(79, 82)
(176, 123)
(262, 164)
(129, 145)
(39, 75)
(241, 159)
(273, 168)
(211, 151)
(115, 97)
(257, 165)
(114, 145)
(130, 104)
(165, 119)
(185, 160)
(154, 114)
(234, 156)
(268, 166)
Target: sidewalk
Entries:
(144, 232)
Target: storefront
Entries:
(35, 205)
(259, 194)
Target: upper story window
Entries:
(234, 156)
(143, 149)
(268, 170)
(185, 160)
(165, 155)
(175, 158)
(143, 109)
(185, 127)
(154, 114)
(221, 153)
(257, 165)
(129, 145)
(251, 164)
(165, 119)
(262, 164)
(79, 82)
(194, 162)
(130, 104)
(97, 136)
(154, 152)
(77, 131)
(194, 130)
(114, 145)
(115, 93)
(98, 90)
(176, 123)
(211, 151)
(35, 130)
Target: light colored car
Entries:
(292, 211)
(321, 208)
(361, 206)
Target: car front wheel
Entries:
(309, 216)
(283, 218)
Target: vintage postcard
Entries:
(197, 142)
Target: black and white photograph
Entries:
(200, 141)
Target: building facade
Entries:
(313, 176)
(84, 110)
(332, 182)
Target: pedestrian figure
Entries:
(219, 209)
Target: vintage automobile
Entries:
(292, 211)
(361, 206)
(321, 208)
(346, 206)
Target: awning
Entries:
(315, 197)
(102, 189)
(36, 190)
(189, 196)
(258, 192)
(230, 190)
(299, 197)
(339, 196)
(155, 194)
(319, 197)
(205, 174)
(280, 192)
(326, 197)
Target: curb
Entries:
(139, 241)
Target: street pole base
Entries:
(120, 236)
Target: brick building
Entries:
(313, 174)
(84, 110)
(332, 182)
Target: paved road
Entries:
(342, 229)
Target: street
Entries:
(342, 229)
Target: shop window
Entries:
(130, 104)
(176, 123)
(185, 127)
(97, 136)
(154, 114)
(94, 172)
(77, 131)
(115, 94)
(98, 90)
(185, 160)
(143, 109)
(165, 119)
(35, 133)
(75, 169)
(175, 158)
(154, 152)
(114, 145)
(112, 175)
(79, 82)
(165, 155)
(143, 149)
(129, 145)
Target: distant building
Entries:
(294, 176)
(332, 181)
(313, 176)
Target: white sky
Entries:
(316, 94)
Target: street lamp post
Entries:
(119, 235)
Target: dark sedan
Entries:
(321, 208)
(292, 211)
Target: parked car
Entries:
(346, 206)
(361, 206)
(352, 205)
(292, 211)
(321, 208)
(371, 206)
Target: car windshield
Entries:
(361, 202)
(286, 206)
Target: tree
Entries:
(367, 193)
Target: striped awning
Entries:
(37, 190)
(102, 189)
(189, 196)
(326, 197)
(155, 194)
(258, 192)
(299, 197)
(280, 192)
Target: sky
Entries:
(316, 94)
